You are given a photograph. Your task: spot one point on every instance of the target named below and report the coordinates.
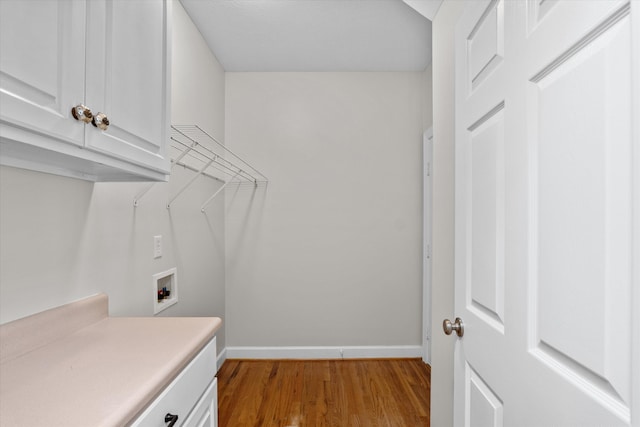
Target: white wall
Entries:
(197, 95)
(329, 253)
(427, 99)
(443, 211)
(63, 239)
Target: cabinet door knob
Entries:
(100, 121)
(82, 113)
(171, 419)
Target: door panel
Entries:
(485, 44)
(485, 408)
(581, 200)
(545, 223)
(42, 78)
(486, 214)
(123, 77)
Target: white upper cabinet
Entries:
(111, 56)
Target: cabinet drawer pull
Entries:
(171, 419)
(82, 113)
(100, 121)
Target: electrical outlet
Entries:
(157, 246)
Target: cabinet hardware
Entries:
(100, 121)
(171, 419)
(82, 113)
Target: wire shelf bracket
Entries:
(175, 161)
(204, 205)
(191, 181)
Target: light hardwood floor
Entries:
(336, 393)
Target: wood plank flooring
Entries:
(331, 393)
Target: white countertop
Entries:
(103, 374)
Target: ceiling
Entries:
(315, 35)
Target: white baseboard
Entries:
(353, 352)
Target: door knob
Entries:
(100, 121)
(457, 326)
(82, 113)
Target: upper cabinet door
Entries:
(128, 71)
(42, 60)
(112, 56)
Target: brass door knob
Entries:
(100, 121)
(82, 113)
(457, 326)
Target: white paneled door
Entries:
(548, 213)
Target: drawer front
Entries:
(205, 414)
(180, 397)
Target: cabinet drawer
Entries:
(205, 414)
(184, 392)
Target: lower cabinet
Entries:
(192, 397)
(205, 414)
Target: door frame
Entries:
(427, 210)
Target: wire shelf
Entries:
(195, 149)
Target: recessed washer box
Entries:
(165, 281)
